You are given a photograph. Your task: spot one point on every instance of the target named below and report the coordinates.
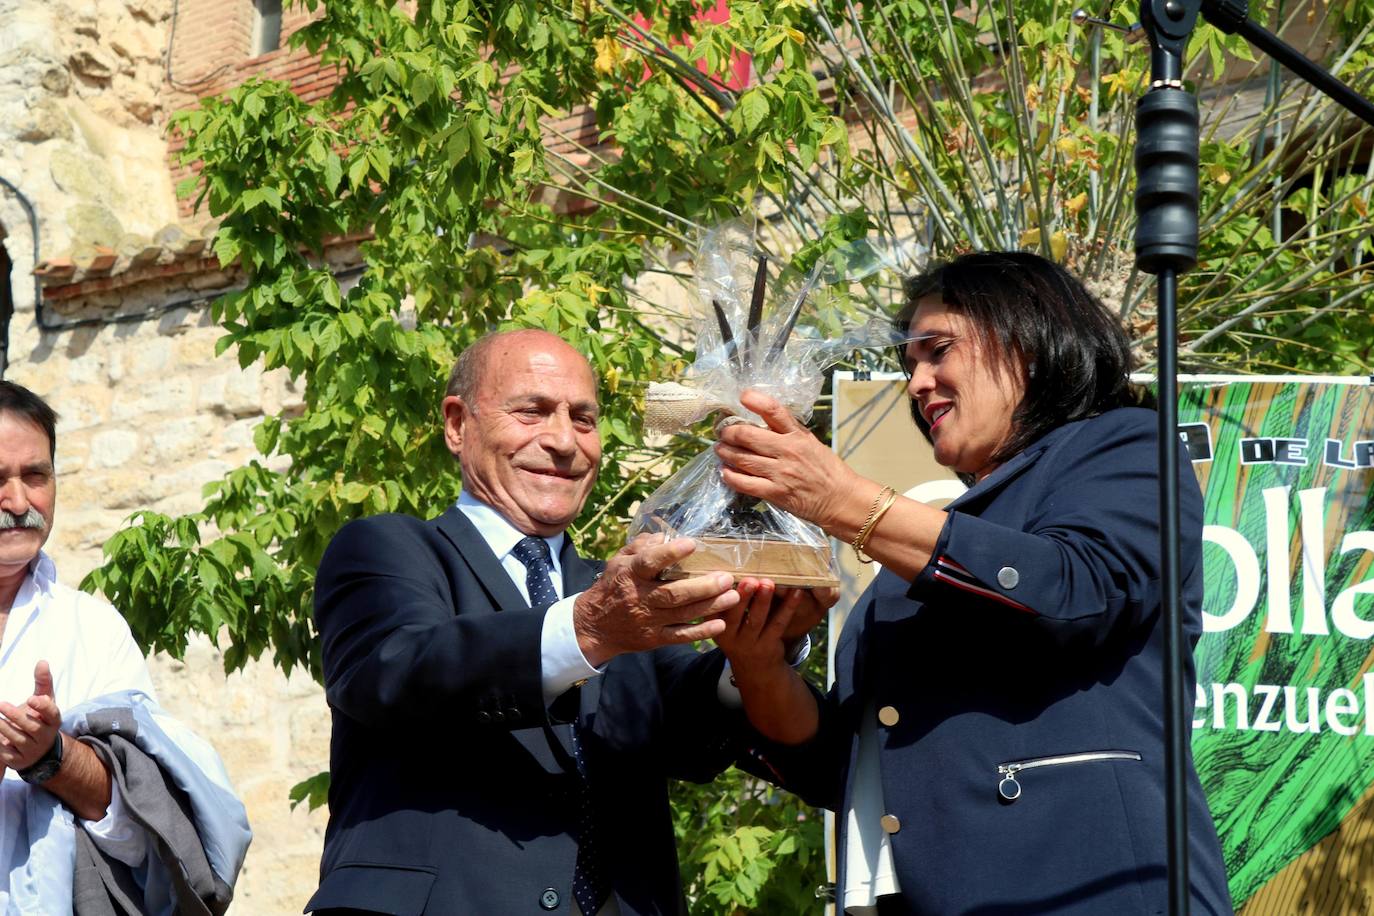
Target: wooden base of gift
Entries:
(794, 565)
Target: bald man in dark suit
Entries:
(506, 714)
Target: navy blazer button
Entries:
(1008, 577)
(889, 716)
(513, 713)
(483, 717)
(498, 716)
(548, 900)
(890, 823)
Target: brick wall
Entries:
(212, 43)
(211, 54)
(209, 35)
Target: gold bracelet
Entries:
(860, 537)
(886, 497)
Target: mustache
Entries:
(30, 519)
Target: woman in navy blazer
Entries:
(993, 742)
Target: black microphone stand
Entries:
(1166, 203)
(1166, 235)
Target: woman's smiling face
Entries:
(966, 395)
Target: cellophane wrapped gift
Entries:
(777, 331)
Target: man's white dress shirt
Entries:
(90, 651)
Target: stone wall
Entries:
(148, 414)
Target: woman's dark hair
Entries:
(1031, 312)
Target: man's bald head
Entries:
(466, 376)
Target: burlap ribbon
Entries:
(670, 407)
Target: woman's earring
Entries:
(1030, 371)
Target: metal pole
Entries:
(1176, 730)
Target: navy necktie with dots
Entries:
(534, 553)
(590, 887)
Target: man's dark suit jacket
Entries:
(452, 788)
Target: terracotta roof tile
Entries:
(174, 250)
(55, 270)
(93, 260)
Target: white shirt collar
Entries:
(501, 536)
(43, 572)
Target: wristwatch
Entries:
(45, 767)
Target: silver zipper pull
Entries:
(1009, 788)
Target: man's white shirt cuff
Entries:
(117, 834)
(562, 663)
(728, 693)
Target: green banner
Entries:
(1283, 728)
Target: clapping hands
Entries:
(27, 732)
